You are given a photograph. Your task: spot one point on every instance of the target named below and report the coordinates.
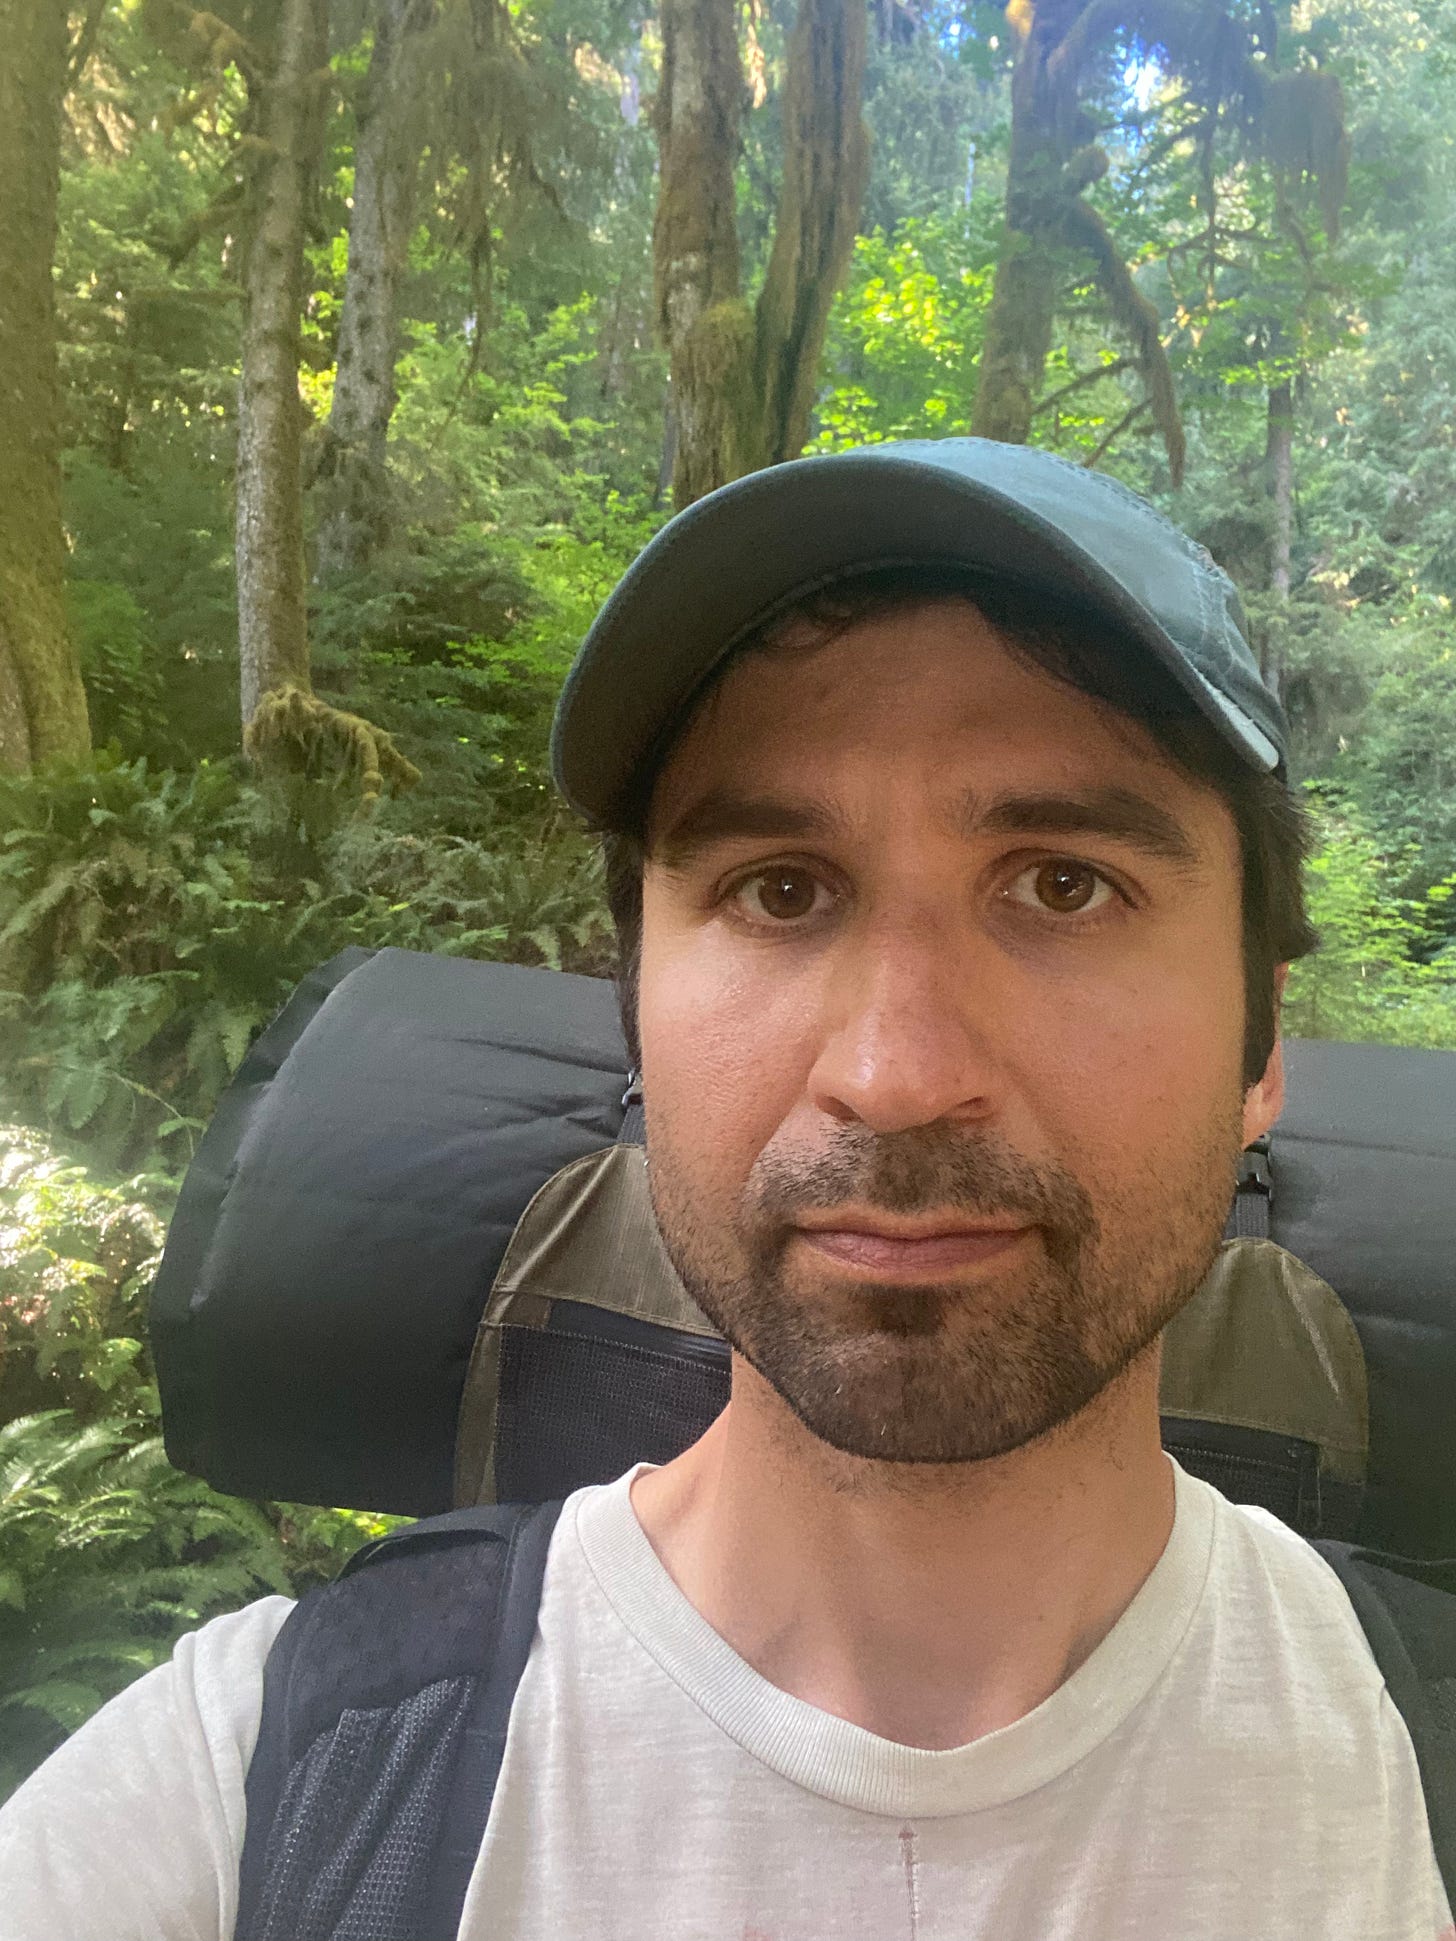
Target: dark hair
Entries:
(1079, 649)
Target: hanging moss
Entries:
(1302, 131)
(295, 731)
(1296, 119)
(1138, 321)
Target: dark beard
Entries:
(962, 1371)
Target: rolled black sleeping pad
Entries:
(339, 1230)
(340, 1227)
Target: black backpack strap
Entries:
(634, 1119)
(386, 1699)
(1249, 1219)
(1407, 1608)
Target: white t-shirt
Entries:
(1226, 1766)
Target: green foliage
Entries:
(906, 333)
(76, 1260)
(133, 948)
(107, 1553)
(110, 1554)
(1402, 770)
(152, 600)
(151, 924)
(1367, 981)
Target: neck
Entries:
(928, 1604)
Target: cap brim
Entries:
(729, 561)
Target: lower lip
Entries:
(886, 1259)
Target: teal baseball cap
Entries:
(724, 566)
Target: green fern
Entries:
(110, 1555)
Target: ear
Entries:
(1264, 1100)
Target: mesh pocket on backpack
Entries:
(1276, 1473)
(592, 1393)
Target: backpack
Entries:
(413, 1267)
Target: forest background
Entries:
(349, 349)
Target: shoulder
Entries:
(1275, 1617)
(134, 1826)
(218, 1670)
(1258, 1558)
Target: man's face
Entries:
(942, 1031)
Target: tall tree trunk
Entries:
(1279, 457)
(702, 321)
(743, 379)
(1053, 159)
(42, 701)
(1023, 301)
(287, 101)
(826, 166)
(353, 481)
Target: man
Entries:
(955, 873)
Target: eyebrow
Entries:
(1113, 812)
(724, 815)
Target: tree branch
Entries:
(1094, 24)
(1139, 321)
(1054, 398)
(1105, 444)
(85, 43)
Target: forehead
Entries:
(902, 699)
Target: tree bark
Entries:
(743, 379)
(353, 481)
(1279, 456)
(1053, 158)
(287, 103)
(1020, 320)
(701, 318)
(826, 166)
(42, 702)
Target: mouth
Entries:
(904, 1250)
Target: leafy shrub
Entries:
(76, 1260)
(151, 924)
(109, 1554)
(1369, 979)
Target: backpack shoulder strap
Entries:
(1407, 1608)
(386, 1699)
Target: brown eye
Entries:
(1062, 887)
(783, 895)
(1066, 886)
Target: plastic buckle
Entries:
(633, 1094)
(1256, 1171)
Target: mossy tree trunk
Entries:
(352, 481)
(743, 377)
(1020, 321)
(42, 702)
(826, 167)
(1279, 460)
(702, 322)
(1225, 56)
(1049, 224)
(287, 99)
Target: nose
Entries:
(909, 1036)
